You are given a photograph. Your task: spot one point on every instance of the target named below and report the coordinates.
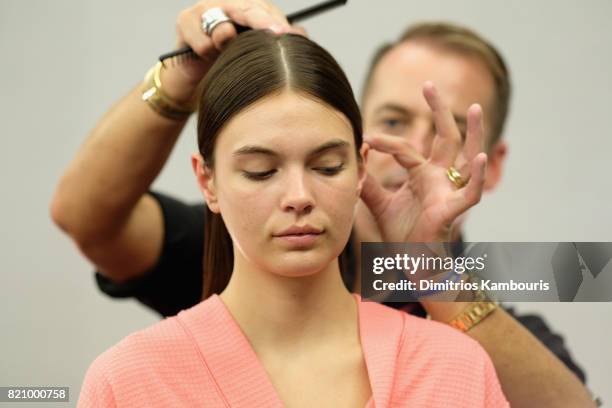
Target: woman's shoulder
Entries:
(157, 348)
(431, 341)
(435, 354)
(157, 366)
(434, 364)
(418, 335)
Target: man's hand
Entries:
(425, 206)
(181, 80)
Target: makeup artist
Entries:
(149, 245)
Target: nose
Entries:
(298, 197)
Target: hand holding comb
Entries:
(187, 52)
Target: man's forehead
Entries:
(400, 74)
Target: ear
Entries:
(206, 182)
(495, 165)
(362, 166)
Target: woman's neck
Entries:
(279, 312)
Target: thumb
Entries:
(374, 195)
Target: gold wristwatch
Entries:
(478, 309)
(155, 97)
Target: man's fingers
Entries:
(251, 14)
(405, 154)
(258, 18)
(299, 30)
(474, 140)
(468, 196)
(222, 34)
(473, 189)
(189, 29)
(374, 195)
(447, 143)
(465, 169)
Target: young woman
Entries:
(281, 166)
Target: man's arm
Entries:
(175, 282)
(530, 374)
(101, 199)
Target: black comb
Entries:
(187, 53)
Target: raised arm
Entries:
(530, 374)
(101, 200)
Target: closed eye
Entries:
(330, 171)
(264, 175)
(259, 175)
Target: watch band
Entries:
(473, 314)
(480, 307)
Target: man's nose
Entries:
(421, 137)
(298, 195)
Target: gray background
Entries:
(65, 62)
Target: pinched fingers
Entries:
(447, 143)
(375, 197)
(401, 150)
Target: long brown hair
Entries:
(257, 64)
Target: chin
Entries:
(301, 264)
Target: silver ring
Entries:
(212, 18)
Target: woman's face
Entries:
(286, 181)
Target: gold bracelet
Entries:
(160, 102)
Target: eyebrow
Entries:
(255, 149)
(460, 119)
(396, 108)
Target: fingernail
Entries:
(475, 109)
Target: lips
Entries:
(296, 230)
(299, 237)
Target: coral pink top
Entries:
(201, 358)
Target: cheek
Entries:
(251, 209)
(245, 209)
(337, 200)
